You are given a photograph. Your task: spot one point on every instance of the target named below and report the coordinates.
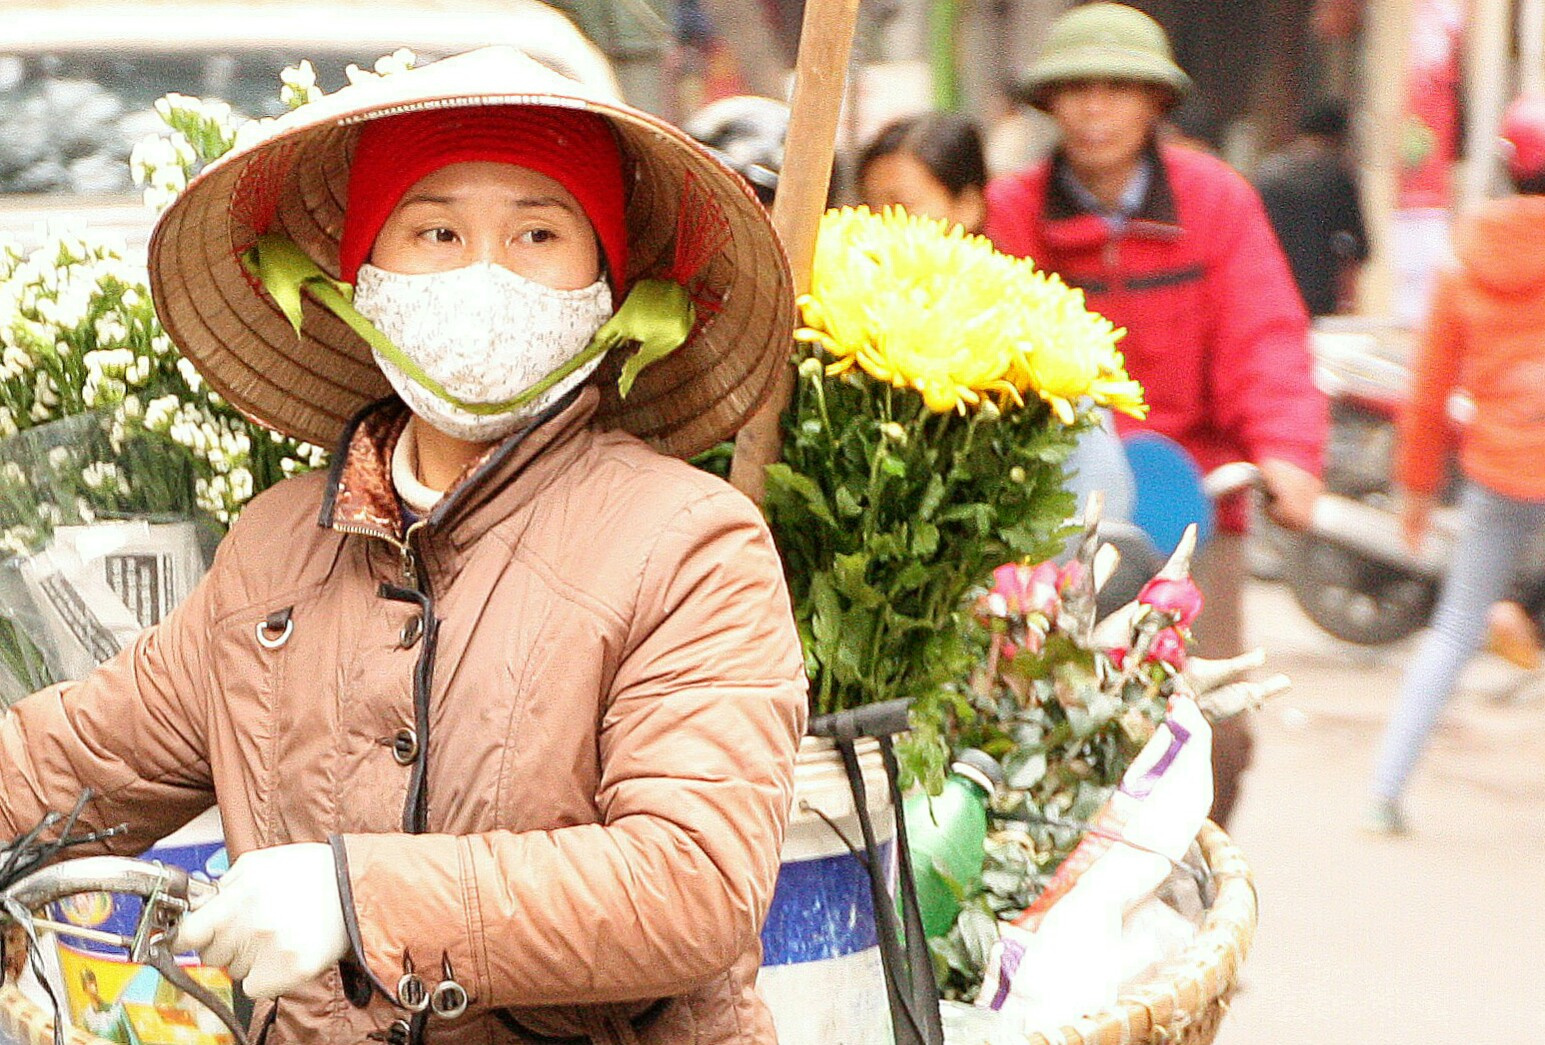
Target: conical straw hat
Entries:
(689, 218)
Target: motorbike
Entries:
(1351, 572)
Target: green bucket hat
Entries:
(1104, 42)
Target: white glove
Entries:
(277, 921)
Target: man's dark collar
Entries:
(1158, 206)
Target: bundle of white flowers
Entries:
(79, 337)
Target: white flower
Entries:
(14, 362)
(11, 472)
(44, 392)
(241, 485)
(58, 457)
(399, 61)
(111, 362)
(110, 329)
(252, 131)
(299, 85)
(160, 412)
(101, 473)
(158, 199)
(189, 372)
(18, 540)
(302, 77)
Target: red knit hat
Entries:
(575, 148)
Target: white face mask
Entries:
(485, 335)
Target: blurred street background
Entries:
(1433, 937)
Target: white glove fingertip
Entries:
(198, 927)
(261, 986)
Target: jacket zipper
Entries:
(406, 557)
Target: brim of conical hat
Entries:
(688, 216)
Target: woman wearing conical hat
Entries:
(500, 713)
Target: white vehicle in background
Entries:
(78, 79)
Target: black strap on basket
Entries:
(909, 982)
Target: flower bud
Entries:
(1168, 648)
(894, 432)
(1181, 599)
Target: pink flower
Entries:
(1181, 599)
(1118, 656)
(1027, 589)
(1168, 647)
(1069, 576)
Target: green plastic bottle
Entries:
(947, 835)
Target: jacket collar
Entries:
(360, 497)
(1068, 221)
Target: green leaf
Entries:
(933, 496)
(925, 540)
(912, 576)
(826, 624)
(853, 645)
(848, 577)
(848, 506)
(657, 315)
(803, 489)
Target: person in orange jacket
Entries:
(1486, 332)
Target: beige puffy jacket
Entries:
(552, 745)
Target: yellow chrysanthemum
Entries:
(920, 305)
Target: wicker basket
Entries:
(1185, 1003)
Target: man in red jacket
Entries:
(1173, 245)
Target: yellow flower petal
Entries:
(927, 306)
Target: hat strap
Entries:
(657, 315)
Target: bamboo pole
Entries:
(820, 74)
(1384, 62)
(1489, 37)
(1531, 46)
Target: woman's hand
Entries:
(277, 921)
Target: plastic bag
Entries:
(1063, 957)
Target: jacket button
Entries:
(405, 747)
(449, 1000)
(412, 994)
(412, 630)
(399, 1032)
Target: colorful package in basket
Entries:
(1062, 958)
(120, 1001)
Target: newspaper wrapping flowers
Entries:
(941, 387)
